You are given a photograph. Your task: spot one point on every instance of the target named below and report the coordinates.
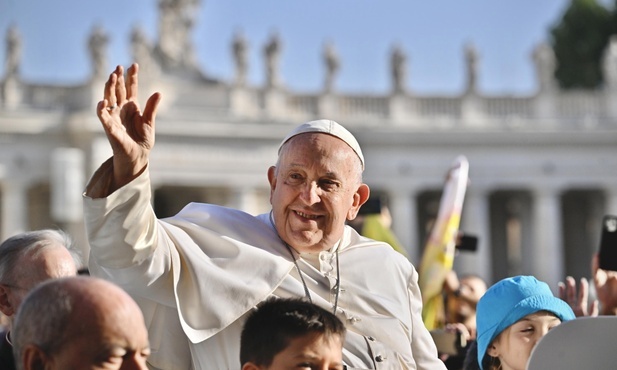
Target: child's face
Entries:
(312, 351)
(513, 346)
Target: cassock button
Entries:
(379, 358)
(354, 320)
(371, 339)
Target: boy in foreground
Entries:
(291, 334)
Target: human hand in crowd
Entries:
(129, 130)
(605, 282)
(457, 327)
(451, 284)
(579, 301)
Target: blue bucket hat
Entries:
(508, 301)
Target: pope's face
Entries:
(314, 190)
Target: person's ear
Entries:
(250, 366)
(33, 358)
(359, 198)
(272, 180)
(492, 351)
(5, 304)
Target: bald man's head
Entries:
(73, 323)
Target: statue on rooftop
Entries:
(332, 64)
(13, 52)
(97, 45)
(544, 59)
(471, 62)
(239, 48)
(398, 65)
(272, 52)
(176, 21)
(142, 52)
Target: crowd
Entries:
(216, 288)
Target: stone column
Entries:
(611, 202)
(475, 220)
(67, 184)
(402, 207)
(245, 199)
(14, 207)
(547, 255)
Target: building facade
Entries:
(543, 167)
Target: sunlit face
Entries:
(461, 308)
(312, 351)
(514, 345)
(116, 338)
(314, 190)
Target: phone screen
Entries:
(608, 244)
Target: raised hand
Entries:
(578, 301)
(605, 282)
(129, 130)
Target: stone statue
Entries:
(97, 44)
(13, 52)
(398, 63)
(471, 60)
(239, 48)
(142, 52)
(544, 59)
(272, 52)
(332, 64)
(609, 64)
(176, 21)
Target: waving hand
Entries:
(129, 130)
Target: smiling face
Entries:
(514, 345)
(314, 189)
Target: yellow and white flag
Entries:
(438, 256)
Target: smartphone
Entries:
(607, 257)
(467, 242)
(448, 342)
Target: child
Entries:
(291, 333)
(512, 316)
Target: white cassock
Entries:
(198, 274)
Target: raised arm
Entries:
(129, 130)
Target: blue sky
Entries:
(432, 33)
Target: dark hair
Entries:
(471, 359)
(269, 329)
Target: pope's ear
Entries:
(359, 198)
(272, 177)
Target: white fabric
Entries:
(196, 276)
